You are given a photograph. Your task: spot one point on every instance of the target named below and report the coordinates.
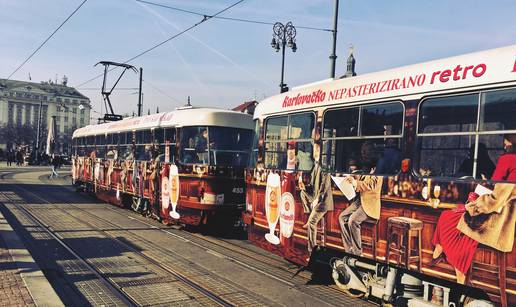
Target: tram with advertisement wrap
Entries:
(184, 166)
(401, 183)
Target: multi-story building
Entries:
(20, 106)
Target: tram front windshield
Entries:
(218, 146)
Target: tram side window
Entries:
(456, 141)
(288, 141)
(100, 146)
(81, 150)
(361, 138)
(194, 145)
(90, 145)
(126, 148)
(111, 146)
(144, 145)
(169, 136)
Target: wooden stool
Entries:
(496, 270)
(372, 224)
(404, 229)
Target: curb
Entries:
(39, 288)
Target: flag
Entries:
(51, 136)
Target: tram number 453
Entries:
(238, 190)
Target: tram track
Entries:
(261, 263)
(113, 227)
(325, 293)
(115, 289)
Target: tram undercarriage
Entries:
(389, 286)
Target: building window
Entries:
(82, 111)
(74, 110)
(58, 109)
(75, 101)
(82, 122)
(66, 119)
(59, 99)
(67, 100)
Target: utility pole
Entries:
(140, 102)
(333, 55)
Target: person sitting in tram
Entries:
(390, 160)
(459, 231)
(485, 166)
(201, 145)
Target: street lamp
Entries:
(283, 35)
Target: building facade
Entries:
(21, 104)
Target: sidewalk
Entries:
(21, 281)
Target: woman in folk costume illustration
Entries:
(488, 219)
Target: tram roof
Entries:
(176, 118)
(413, 81)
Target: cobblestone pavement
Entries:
(13, 291)
(119, 243)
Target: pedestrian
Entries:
(54, 164)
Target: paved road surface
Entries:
(93, 253)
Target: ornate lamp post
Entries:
(283, 35)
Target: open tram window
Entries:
(360, 138)
(288, 141)
(454, 140)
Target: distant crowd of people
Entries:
(22, 157)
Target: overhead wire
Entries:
(227, 18)
(46, 40)
(205, 18)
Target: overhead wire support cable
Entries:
(227, 18)
(205, 18)
(46, 40)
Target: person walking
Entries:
(54, 164)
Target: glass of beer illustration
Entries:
(272, 201)
(174, 191)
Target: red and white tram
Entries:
(433, 145)
(184, 166)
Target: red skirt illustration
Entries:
(458, 248)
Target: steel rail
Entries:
(115, 289)
(215, 298)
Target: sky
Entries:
(223, 63)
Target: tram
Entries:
(184, 166)
(401, 182)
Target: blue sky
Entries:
(223, 63)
